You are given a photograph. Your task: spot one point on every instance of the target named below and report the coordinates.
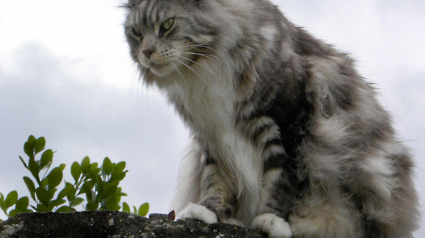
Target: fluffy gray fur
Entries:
(287, 136)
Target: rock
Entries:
(113, 224)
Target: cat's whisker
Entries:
(203, 46)
(209, 70)
(209, 57)
(179, 73)
(219, 57)
(207, 47)
(194, 71)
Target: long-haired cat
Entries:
(287, 136)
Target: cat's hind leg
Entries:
(326, 219)
(276, 196)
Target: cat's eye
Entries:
(135, 30)
(167, 25)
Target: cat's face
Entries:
(165, 36)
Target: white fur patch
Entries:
(273, 225)
(383, 171)
(198, 212)
(332, 131)
(268, 134)
(247, 109)
(269, 33)
(272, 150)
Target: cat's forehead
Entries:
(150, 12)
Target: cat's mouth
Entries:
(160, 69)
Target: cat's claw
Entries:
(273, 225)
(198, 212)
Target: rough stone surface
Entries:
(113, 224)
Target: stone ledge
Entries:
(113, 224)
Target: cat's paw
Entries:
(198, 212)
(273, 225)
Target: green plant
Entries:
(99, 184)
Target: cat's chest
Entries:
(208, 112)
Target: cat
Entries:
(286, 136)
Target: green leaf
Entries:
(39, 144)
(76, 171)
(109, 190)
(46, 158)
(52, 193)
(2, 202)
(77, 201)
(34, 169)
(94, 165)
(112, 204)
(31, 140)
(43, 195)
(85, 164)
(143, 209)
(120, 166)
(42, 208)
(57, 202)
(63, 193)
(30, 186)
(94, 173)
(11, 199)
(22, 204)
(64, 209)
(92, 206)
(44, 182)
(70, 191)
(89, 184)
(107, 165)
(87, 190)
(54, 178)
(29, 146)
(117, 176)
(134, 210)
(62, 167)
(125, 207)
(66, 191)
(13, 213)
(28, 150)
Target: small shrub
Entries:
(95, 187)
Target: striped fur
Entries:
(285, 131)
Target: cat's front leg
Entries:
(274, 204)
(217, 201)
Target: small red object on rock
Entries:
(172, 215)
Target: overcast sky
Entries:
(65, 74)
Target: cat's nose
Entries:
(147, 53)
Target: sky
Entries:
(65, 74)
